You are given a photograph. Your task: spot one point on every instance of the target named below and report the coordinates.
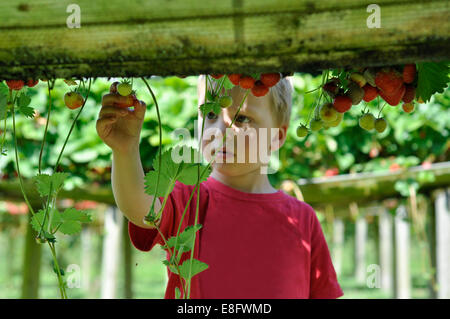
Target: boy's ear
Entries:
(279, 138)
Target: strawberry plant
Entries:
(47, 221)
(345, 88)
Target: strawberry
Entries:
(388, 81)
(73, 100)
(370, 92)
(259, 89)
(328, 113)
(15, 84)
(358, 78)
(380, 124)
(247, 82)
(302, 131)
(217, 76)
(31, 82)
(342, 103)
(331, 87)
(270, 79)
(234, 78)
(410, 93)
(408, 107)
(355, 92)
(395, 98)
(409, 73)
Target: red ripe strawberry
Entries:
(217, 76)
(270, 79)
(410, 94)
(395, 98)
(259, 89)
(247, 82)
(15, 84)
(31, 82)
(388, 81)
(370, 92)
(409, 73)
(342, 103)
(234, 78)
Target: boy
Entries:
(259, 242)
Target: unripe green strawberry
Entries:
(337, 121)
(327, 112)
(358, 79)
(355, 93)
(380, 125)
(302, 131)
(369, 76)
(225, 101)
(367, 121)
(315, 124)
(124, 89)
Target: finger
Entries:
(112, 110)
(103, 123)
(113, 87)
(115, 99)
(139, 109)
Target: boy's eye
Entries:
(211, 115)
(242, 119)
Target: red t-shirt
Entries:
(256, 245)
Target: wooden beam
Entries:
(363, 188)
(141, 38)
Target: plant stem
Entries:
(46, 125)
(62, 289)
(160, 147)
(17, 160)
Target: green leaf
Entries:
(4, 90)
(43, 183)
(197, 267)
(208, 107)
(23, 100)
(432, 78)
(38, 219)
(171, 171)
(70, 221)
(185, 239)
(177, 293)
(171, 267)
(3, 109)
(209, 96)
(227, 84)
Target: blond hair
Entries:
(281, 96)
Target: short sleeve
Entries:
(145, 239)
(323, 280)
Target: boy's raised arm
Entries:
(120, 128)
(127, 179)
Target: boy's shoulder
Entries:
(299, 210)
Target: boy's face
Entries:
(249, 141)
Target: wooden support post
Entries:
(360, 249)
(442, 203)
(127, 261)
(111, 252)
(31, 264)
(402, 237)
(86, 261)
(338, 244)
(386, 250)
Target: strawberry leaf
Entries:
(22, 102)
(185, 240)
(227, 84)
(43, 183)
(70, 221)
(3, 108)
(432, 78)
(197, 267)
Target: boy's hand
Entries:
(120, 128)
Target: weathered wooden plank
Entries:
(402, 254)
(140, 38)
(338, 245)
(111, 252)
(360, 250)
(442, 213)
(386, 249)
(367, 187)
